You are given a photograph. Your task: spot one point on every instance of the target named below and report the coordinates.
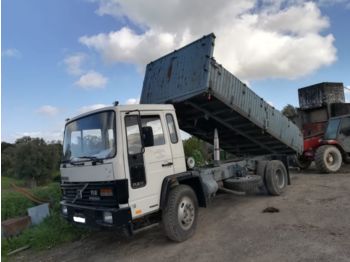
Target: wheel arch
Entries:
(335, 144)
(188, 178)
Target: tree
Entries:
(31, 158)
(197, 149)
(290, 112)
(7, 158)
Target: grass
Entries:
(53, 231)
(13, 204)
(7, 181)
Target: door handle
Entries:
(167, 164)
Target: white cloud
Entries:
(48, 110)
(126, 46)
(74, 63)
(276, 39)
(92, 80)
(85, 109)
(11, 52)
(133, 101)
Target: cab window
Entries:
(172, 129)
(345, 127)
(156, 126)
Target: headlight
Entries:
(64, 210)
(108, 217)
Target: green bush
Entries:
(7, 181)
(13, 204)
(52, 231)
(197, 149)
(51, 193)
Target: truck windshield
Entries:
(90, 137)
(332, 129)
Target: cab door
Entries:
(149, 160)
(175, 142)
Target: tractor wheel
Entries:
(328, 159)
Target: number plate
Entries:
(79, 219)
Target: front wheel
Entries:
(328, 159)
(180, 213)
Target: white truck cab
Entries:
(107, 145)
(115, 163)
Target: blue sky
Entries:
(60, 58)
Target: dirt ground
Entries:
(313, 225)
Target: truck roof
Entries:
(124, 108)
(148, 107)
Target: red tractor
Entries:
(329, 148)
(323, 117)
(334, 147)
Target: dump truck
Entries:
(124, 166)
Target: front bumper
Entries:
(93, 216)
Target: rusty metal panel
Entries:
(207, 96)
(180, 74)
(321, 94)
(14, 226)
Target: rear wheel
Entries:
(180, 214)
(328, 159)
(275, 177)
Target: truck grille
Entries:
(88, 193)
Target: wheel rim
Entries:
(186, 213)
(280, 179)
(330, 159)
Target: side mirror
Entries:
(147, 136)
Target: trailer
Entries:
(124, 166)
(206, 95)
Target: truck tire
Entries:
(302, 162)
(260, 168)
(275, 177)
(247, 184)
(179, 217)
(328, 159)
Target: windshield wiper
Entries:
(94, 159)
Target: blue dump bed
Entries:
(207, 96)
